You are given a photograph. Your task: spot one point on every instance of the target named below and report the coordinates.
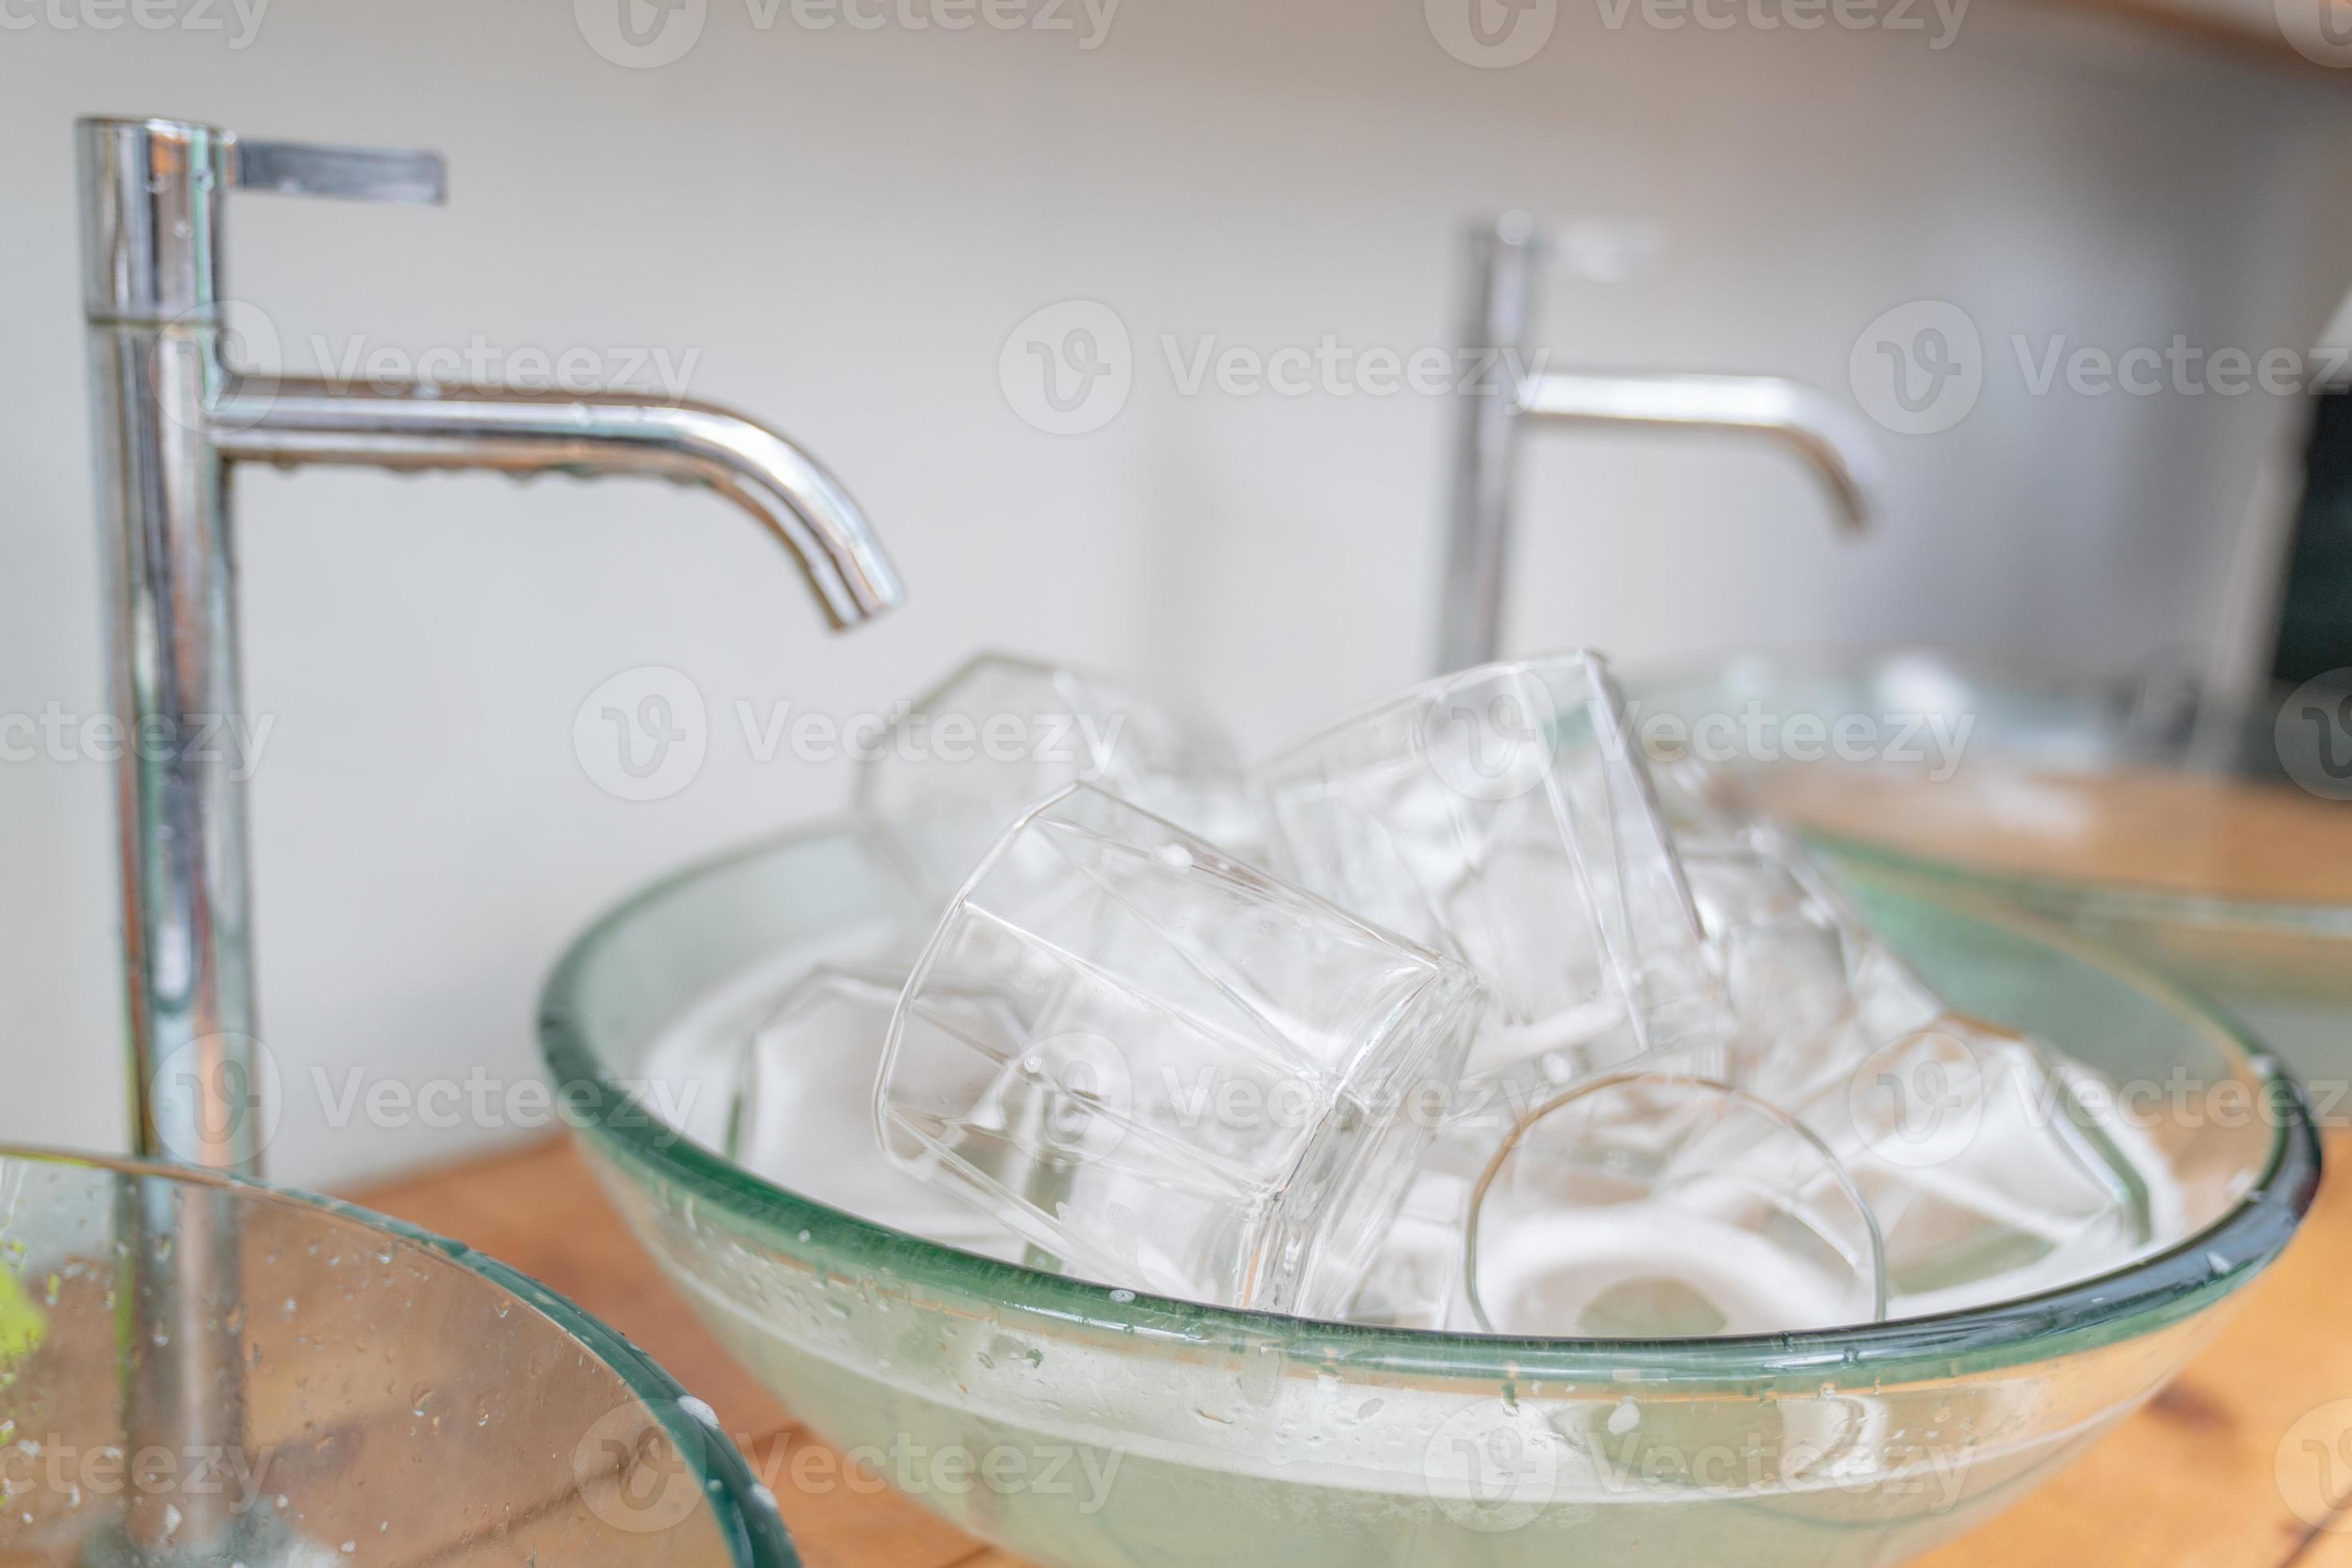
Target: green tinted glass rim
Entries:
(2070, 897)
(2155, 1293)
(742, 1510)
(2119, 902)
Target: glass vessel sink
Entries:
(196, 1371)
(2168, 827)
(1095, 1426)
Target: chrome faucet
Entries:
(172, 417)
(1506, 264)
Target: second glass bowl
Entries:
(196, 1371)
(2178, 830)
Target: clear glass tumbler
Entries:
(1164, 1068)
(942, 782)
(1995, 1169)
(1503, 816)
(1645, 1204)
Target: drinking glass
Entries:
(1164, 1068)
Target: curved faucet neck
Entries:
(409, 425)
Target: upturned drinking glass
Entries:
(1651, 1204)
(1166, 1069)
(1503, 816)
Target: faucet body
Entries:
(172, 419)
(1506, 262)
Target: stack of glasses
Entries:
(1458, 1015)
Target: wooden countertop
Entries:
(2210, 1472)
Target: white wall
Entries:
(843, 228)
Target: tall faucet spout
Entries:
(410, 426)
(1831, 441)
(1508, 259)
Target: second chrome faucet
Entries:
(1507, 260)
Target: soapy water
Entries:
(1229, 1447)
(1634, 1274)
(1637, 1271)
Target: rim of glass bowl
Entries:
(2156, 1291)
(2069, 897)
(2119, 902)
(746, 1519)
